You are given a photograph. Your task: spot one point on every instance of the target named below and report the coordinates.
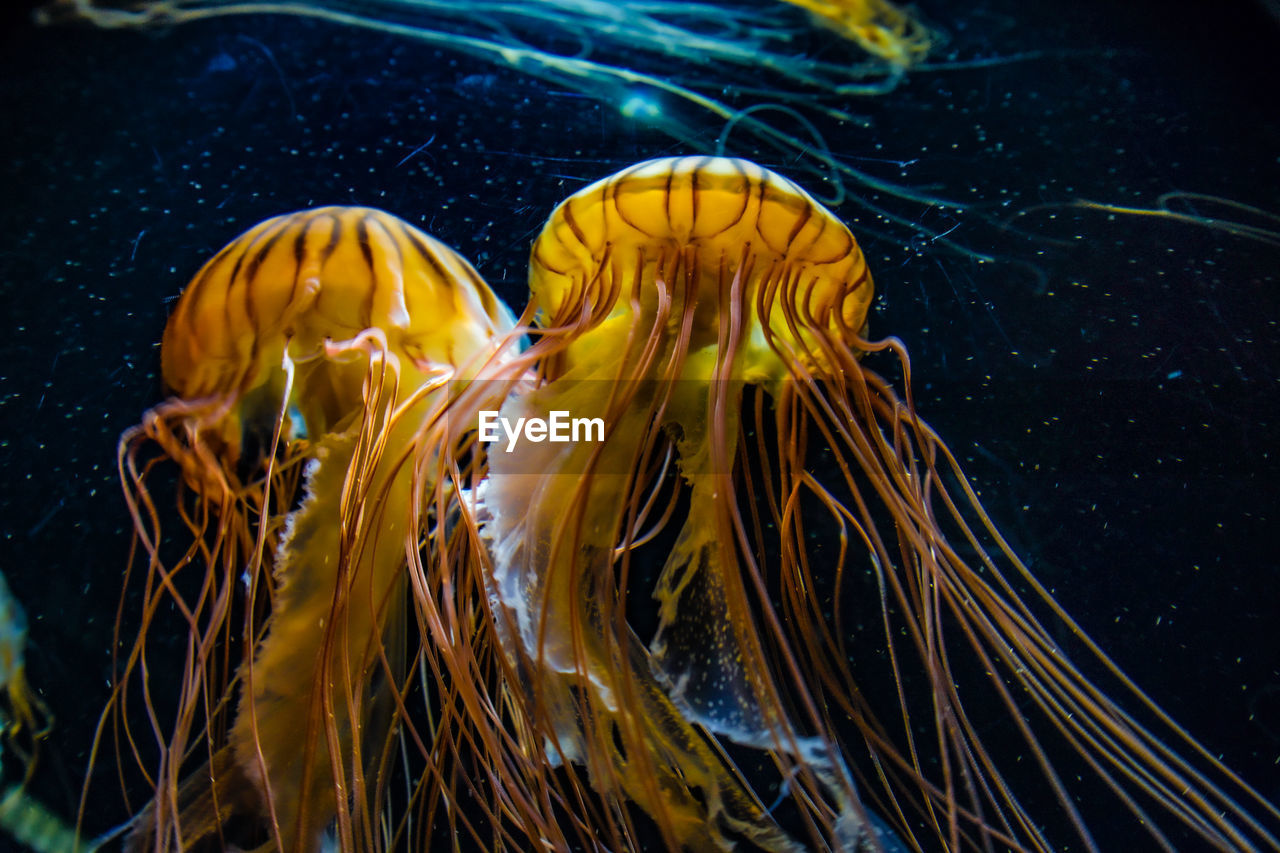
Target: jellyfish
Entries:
(877, 26)
(308, 364)
(711, 316)
(709, 76)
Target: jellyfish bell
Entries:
(718, 222)
(295, 283)
(660, 293)
(309, 362)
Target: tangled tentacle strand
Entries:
(709, 65)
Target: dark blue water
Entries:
(1111, 382)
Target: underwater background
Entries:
(1110, 381)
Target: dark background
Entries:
(1110, 382)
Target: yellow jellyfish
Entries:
(702, 328)
(635, 280)
(877, 26)
(308, 362)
